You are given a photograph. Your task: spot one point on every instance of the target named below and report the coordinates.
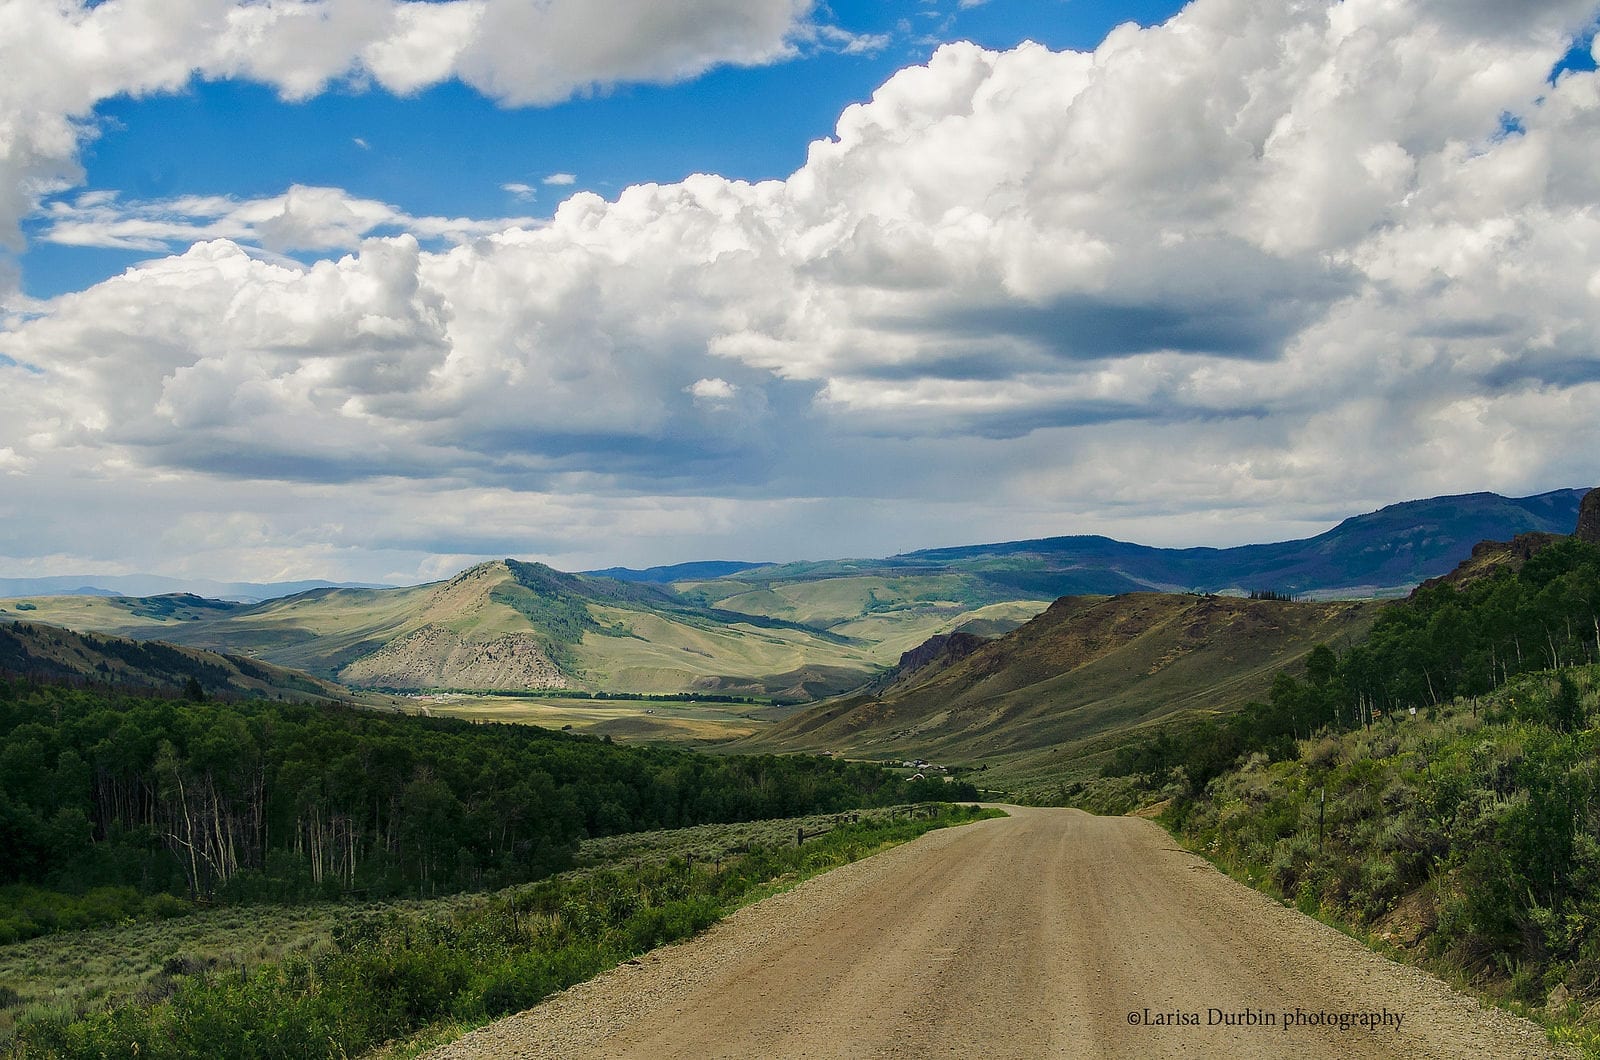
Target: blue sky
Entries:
(449, 150)
(376, 289)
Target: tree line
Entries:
(268, 800)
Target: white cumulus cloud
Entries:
(711, 391)
(62, 58)
(302, 218)
(1265, 257)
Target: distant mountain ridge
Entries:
(790, 631)
(1393, 549)
(677, 572)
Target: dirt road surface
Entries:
(1052, 933)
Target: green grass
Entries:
(832, 601)
(715, 841)
(1567, 1027)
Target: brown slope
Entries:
(1085, 668)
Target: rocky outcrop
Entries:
(1489, 557)
(928, 658)
(1589, 518)
(946, 647)
(435, 657)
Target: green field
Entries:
(653, 720)
(57, 975)
(79, 969)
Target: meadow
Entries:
(671, 720)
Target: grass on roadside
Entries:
(1460, 841)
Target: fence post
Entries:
(799, 836)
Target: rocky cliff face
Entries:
(946, 647)
(435, 657)
(1589, 518)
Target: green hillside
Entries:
(523, 626)
(42, 652)
(1435, 784)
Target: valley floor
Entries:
(660, 720)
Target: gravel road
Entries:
(1051, 933)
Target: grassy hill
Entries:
(523, 626)
(52, 653)
(1086, 671)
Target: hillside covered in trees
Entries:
(271, 800)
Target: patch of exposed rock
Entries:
(940, 651)
(1589, 518)
(945, 648)
(1490, 556)
(436, 657)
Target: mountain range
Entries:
(794, 631)
(1382, 553)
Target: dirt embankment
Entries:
(1049, 934)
